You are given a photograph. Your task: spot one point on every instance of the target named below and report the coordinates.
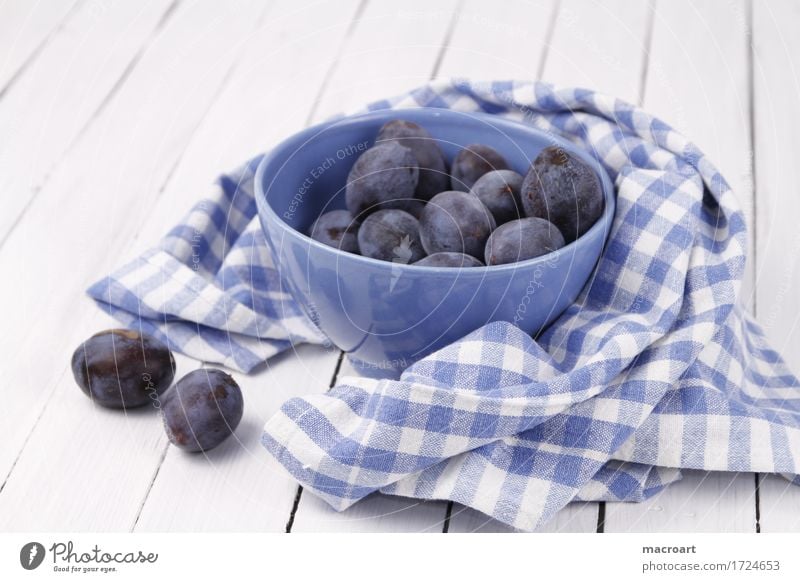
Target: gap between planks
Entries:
(165, 18)
(32, 56)
(309, 118)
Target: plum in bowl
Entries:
(387, 314)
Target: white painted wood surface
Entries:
(63, 89)
(114, 117)
(776, 76)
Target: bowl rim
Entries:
(299, 139)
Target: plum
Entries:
(391, 235)
(384, 176)
(449, 260)
(336, 229)
(433, 177)
(471, 163)
(121, 368)
(499, 191)
(455, 222)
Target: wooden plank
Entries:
(76, 229)
(394, 48)
(492, 44)
(779, 505)
(296, 45)
(777, 141)
(700, 502)
(600, 45)
(708, 102)
(237, 486)
(24, 29)
(61, 92)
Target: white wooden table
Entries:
(115, 115)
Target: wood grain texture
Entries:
(115, 117)
(103, 191)
(381, 59)
(374, 514)
(574, 518)
(601, 45)
(25, 28)
(394, 47)
(238, 486)
(700, 502)
(776, 86)
(61, 91)
(492, 44)
(294, 47)
(709, 100)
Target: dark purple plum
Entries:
(455, 222)
(391, 235)
(433, 176)
(449, 260)
(471, 163)
(499, 192)
(522, 239)
(336, 229)
(121, 368)
(564, 190)
(384, 176)
(202, 409)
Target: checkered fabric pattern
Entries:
(210, 289)
(654, 368)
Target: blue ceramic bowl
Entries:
(388, 315)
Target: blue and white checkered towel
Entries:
(656, 367)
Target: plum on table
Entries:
(121, 368)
